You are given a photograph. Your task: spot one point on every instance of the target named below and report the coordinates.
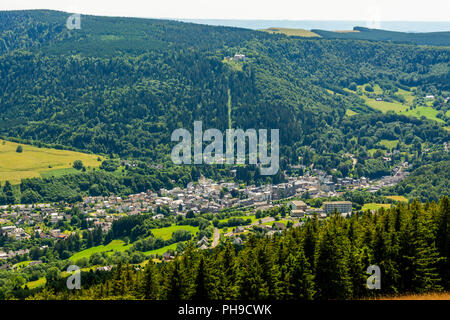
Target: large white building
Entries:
(340, 206)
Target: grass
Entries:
(34, 162)
(350, 112)
(372, 151)
(375, 206)
(385, 106)
(389, 143)
(408, 95)
(427, 112)
(401, 108)
(115, 245)
(398, 198)
(58, 172)
(37, 283)
(160, 251)
(42, 281)
(417, 296)
(166, 233)
(235, 65)
(292, 32)
(22, 264)
(252, 218)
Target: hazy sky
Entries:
(381, 10)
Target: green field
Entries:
(37, 283)
(389, 143)
(160, 251)
(350, 112)
(42, 281)
(34, 162)
(401, 108)
(115, 245)
(375, 206)
(385, 106)
(398, 198)
(166, 233)
(292, 32)
(252, 218)
(427, 112)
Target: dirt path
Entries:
(216, 238)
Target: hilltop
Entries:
(361, 33)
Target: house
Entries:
(279, 226)
(298, 205)
(203, 241)
(55, 233)
(237, 241)
(239, 56)
(105, 268)
(298, 208)
(339, 206)
(167, 256)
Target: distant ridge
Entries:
(428, 38)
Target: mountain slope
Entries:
(122, 85)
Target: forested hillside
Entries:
(120, 86)
(422, 38)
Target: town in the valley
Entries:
(205, 196)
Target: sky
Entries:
(350, 10)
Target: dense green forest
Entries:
(423, 38)
(426, 182)
(321, 260)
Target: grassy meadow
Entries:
(292, 32)
(375, 206)
(35, 162)
(166, 233)
(115, 245)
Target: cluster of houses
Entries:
(12, 254)
(398, 174)
(237, 57)
(199, 197)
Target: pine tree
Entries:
(311, 238)
(332, 265)
(174, 281)
(426, 257)
(8, 193)
(151, 282)
(226, 275)
(443, 240)
(299, 279)
(201, 292)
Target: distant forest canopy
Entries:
(120, 86)
(321, 260)
(361, 33)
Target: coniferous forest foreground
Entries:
(320, 260)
